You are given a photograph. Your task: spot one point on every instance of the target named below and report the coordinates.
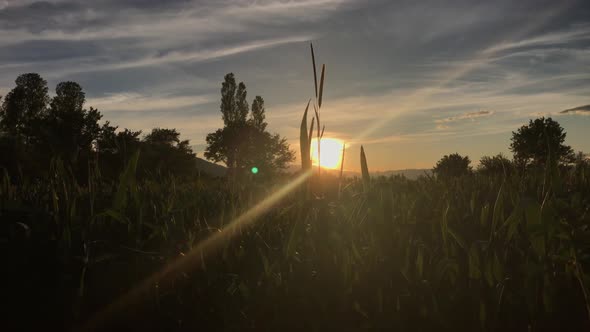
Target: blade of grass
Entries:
(321, 86)
(315, 76)
(303, 141)
(365, 170)
(311, 132)
(341, 170)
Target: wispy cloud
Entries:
(576, 33)
(465, 116)
(395, 68)
(138, 102)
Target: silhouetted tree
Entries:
(69, 129)
(24, 106)
(244, 142)
(164, 152)
(257, 117)
(21, 116)
(497, 164)
(228, 100)
(115, 149)
(453, 165)
(242, 108)
(532, 144)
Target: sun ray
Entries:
(194, 258)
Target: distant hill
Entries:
(411, 174)
(210, 168)
(577, 110)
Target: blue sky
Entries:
(409, 80)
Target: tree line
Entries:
(537, 145)
(37, 130)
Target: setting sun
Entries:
(330, 152)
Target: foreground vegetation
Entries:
(475, 252)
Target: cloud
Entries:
(138, 102)
(581, 110)
(465, 116)
(576, 33)
(393, 67)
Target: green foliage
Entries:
(532, 144)
(478, 253)
(365, 171)
(453, 165)
(68, 129)
(35, 130)
(23, 106)
(495, 165)
(305, 141)
(165, 153)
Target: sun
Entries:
(330, 152)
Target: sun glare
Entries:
(330, 152)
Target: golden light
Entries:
(330, 152)
(194, 258)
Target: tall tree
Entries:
(115, 149)
(69, 128)
(21, 115)
(257, 117)
(24, 105)
(244, 142)
(241, 104)
(542, 138)
(228, 99)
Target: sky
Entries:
(409, 80)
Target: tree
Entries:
(534, 143)
(243, 142)
(241, 108)
(68, 128)
(497, 164)
(164, 152)
(115, 149)
(228, 100)
(257, 117)
(23, 106)
(453, 165)
(20, 122)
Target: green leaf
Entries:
(304, 143)
(315, 76)
(321, 86)
(498, 213)
(365, 170)
(460, 241)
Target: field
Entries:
(470, 253)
